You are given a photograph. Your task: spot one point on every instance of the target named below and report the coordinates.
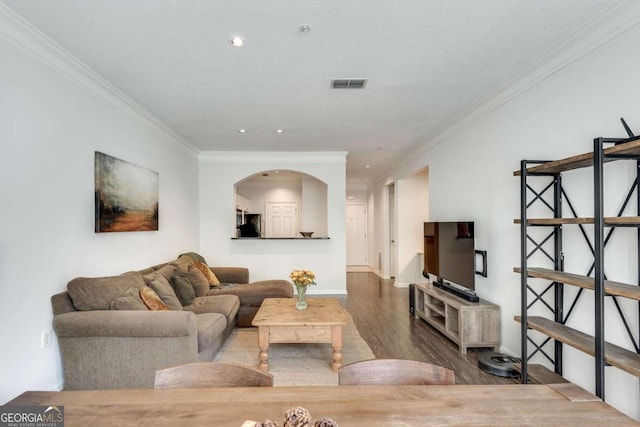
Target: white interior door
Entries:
(356, 234)
(282, 219)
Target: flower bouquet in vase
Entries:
(301, 279)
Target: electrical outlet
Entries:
(45, 339)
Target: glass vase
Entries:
(302, 302)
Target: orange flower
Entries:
(303, 277)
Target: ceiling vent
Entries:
(348, 83)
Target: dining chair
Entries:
(394, 372)
(212, 374)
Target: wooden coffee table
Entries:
(278, 321)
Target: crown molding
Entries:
(274, 156)
(29, 39)
(617, 20)
(356, 186)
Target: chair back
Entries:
(212, 374)
(394, 372)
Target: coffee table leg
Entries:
(263, 344)
(336, 342)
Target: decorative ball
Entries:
(325, 422)
(267, 423)
(297, 417)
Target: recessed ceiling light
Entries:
(236, 41)
(279, 131)
(242, 130)
(368, 166)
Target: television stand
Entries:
(468, 324)
(466, 295)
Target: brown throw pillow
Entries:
(208, 274)
(151, 299)
(129, 301)
(163, 288)
(198, 281)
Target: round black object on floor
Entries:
(498, 364)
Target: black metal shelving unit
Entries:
(551, 296)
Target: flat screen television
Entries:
(449, 252)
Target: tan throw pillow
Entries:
(129, 301)
(151, 299)
(208, 274)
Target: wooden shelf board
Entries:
(631, 148)
(541, 374)
(610, 287)
(619, 357)
(622, 220)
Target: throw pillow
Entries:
(182, 287)
(151, 299)
(165, 291)
(198, 281)
(208, 274)
(129, 301)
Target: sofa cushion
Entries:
(151, 299)
(208, 274)
(253, 294)
(96, 293)
(129, 301)
(223, 304)
(183, 263)
(182, 287)
(198, 281)
(166, 271)
(163, 288)
(210, 327)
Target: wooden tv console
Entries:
(468, 324)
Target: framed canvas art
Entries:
(126, 196)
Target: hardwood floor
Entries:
(381, 314)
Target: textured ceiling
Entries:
(427, 62)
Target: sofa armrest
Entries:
(123, 349)
(124, 323)
(231, 274)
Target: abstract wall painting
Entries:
(126, 196)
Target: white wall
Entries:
(378, 228)
(49, 129)
(273, 258)
(314, 207)
(412, 200)
(471, 176)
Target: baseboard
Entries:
(401, 284)
(381, 275)
(359, 269)
(325, 292)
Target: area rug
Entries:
(295, 364)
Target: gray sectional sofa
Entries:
(110, 338)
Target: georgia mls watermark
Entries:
(31, 416)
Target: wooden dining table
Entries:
(406, 406)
